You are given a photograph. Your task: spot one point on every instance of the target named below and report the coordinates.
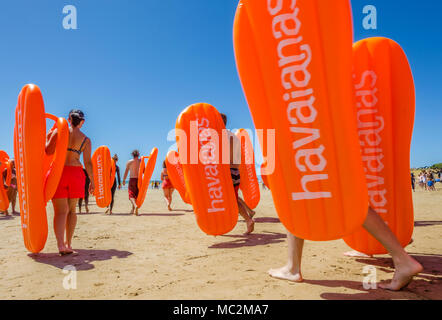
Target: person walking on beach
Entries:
(87, 182)
(235, 161)
(413, 181)
(72, 182)
(114, 186)
(11, 190)
(132, 167)
(167, 186)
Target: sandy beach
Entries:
(164, 255)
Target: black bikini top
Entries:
(81, 147)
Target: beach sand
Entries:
(164, 255)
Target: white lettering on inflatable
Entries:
(20, 168)
(370, 126)
(209, 156)
(295, 79)
(100, 178)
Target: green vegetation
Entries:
(437, 166)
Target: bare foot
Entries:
(87, 210)
(252, 213)
(107, 210)
(250, 227)
(110, 212)
(136, 211)
(168, 207)
(357, 254)
(132, 211)
(403, 275)
(285, 273)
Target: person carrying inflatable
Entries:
(132, 167)
(114, 186)
(167, 186)
(71, 185)
(12, 188)
(235, 161)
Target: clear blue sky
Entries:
(132, 66)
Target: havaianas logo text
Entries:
(21, 172)
(370, 139)
(209, 155)
(100, 177)
(299, 96)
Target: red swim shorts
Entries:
(133, 188)
(236, 190)
(167, 184)
(71, 185)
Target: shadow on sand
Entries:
(82, 259)
(266, 220)
(252, 240)
(427, 223)
(427, 285)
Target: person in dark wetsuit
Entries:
(86, 194)
(114, 186)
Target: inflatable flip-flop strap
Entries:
(294, 59)
(385, 104)
(146, 176)
(249, 181)
(207, 179)
(54, 163)
(176, 175)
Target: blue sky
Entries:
(132, 66)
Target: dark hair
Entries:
(164, 164)
(115, 157)
(224, 118)
(135, 153)
(76, 117)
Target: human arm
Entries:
(88, 164)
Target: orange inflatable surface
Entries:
(38, 174)
(208, 180)
(102, 169)
(294, 59)
(385, 104)
(4, 166)
(176, 175)
(145, 174)
(249, 181)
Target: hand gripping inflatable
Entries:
(249, 182)
(102, 168)
(295, 64)
(4, 164)
(208, 179)
(144, 176)
(38, 174)
(385, 104)
(176, 175)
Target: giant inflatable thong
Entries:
(295, 64)
(249, 181)
(208, 180)
(38, 173)
(176, 175)
(104, 175)
(385, 105)
(145, 174)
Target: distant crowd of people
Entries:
(427, 179)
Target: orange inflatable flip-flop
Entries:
(249, 182)
(102, 169)
(38, 173)
(144, 175)
(385, 104)
(295, 64)
(208, 179)
(176, 175)
(4, 166)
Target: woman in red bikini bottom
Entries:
(167, 186)
(71, 186)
